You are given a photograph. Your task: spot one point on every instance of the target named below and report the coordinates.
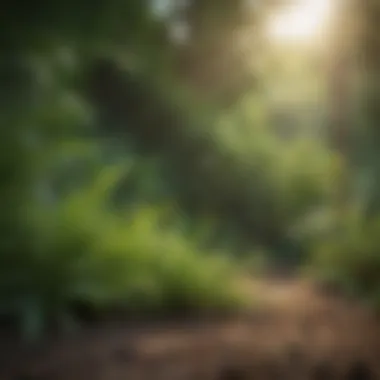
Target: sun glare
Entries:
(300, 21)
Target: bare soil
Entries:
(299, 332)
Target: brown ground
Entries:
(299, 333)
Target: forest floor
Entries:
(299, 332)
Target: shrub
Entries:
(350, 256)
(80, 250)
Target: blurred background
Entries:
(153, 153)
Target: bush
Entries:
(81, 251)
(350, 256)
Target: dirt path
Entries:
(299, 333)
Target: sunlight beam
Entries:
(300, 21)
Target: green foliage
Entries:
(79, 250)
(61, 241)
(349, 256)
(84, 217)
(272, 183)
